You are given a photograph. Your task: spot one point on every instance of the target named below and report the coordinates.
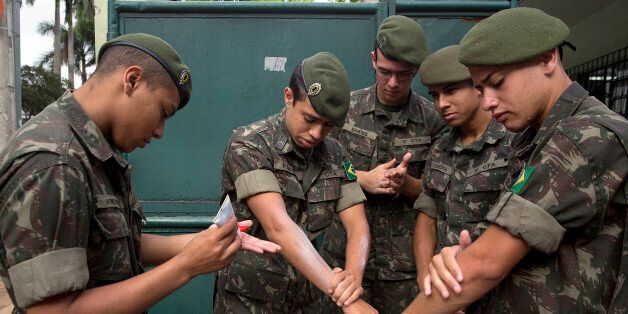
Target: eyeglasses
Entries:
(401, 76)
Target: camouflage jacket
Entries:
(261, 157)
(461, 182)
(373, 136)
(69, 219)
(569, 204)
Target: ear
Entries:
(549, 61)
(373, 58)
(288, 96)
(132, 76)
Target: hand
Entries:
(397, 175)
(444, 270)
(359, 307)
(211, 249)
(344, 288)
(375, 181)
(253, 244)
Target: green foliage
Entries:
(40, 87)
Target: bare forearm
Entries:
(298, 250)
(158, 249)
(129, 296)
(484, 264)
(358, 245)
(412, 187)
(424, 243)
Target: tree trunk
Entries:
(70, 52)
(8, 123)
(83, 70)
(56, 59)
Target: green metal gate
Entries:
(241, 55)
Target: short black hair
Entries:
(297, 83)
(120, 56)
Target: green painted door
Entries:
(241, 55)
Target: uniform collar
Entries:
(410, 110)
(564, 107)
(494, 132)
(86, 130)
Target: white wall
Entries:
(599, 34)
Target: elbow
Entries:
(491, 271)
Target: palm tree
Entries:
(69, 18)
(56, 60)
(83, 56)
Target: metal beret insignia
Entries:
(382, 41)
(314, 89)
(184, 78)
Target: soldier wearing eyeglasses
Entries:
(388, 133)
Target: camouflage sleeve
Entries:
(351, 191)
(249, 167)
(568, 185)
(426, 201)
(44, 225)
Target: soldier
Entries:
(466, 169)
(70, 223)
(290, 179)
(557, 239)
(385, 122)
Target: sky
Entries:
(33, 45)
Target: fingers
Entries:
(336, 280)
(226, 230)
(253, 244)
(389, 164)
(465, 240)
(442, 274)
(438, 284)
(427, 285)
(245, 223)
(345, 289)
(356, 295)
(405, 161)
(451, 265)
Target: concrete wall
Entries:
(599, 34)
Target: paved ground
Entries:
(5, 302)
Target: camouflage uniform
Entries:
(261, 157)
(462, 182)
(373, 136)
(69, 219)
(571, 211)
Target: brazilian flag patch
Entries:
(523, 179)
(349, 171)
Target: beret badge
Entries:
(184, 78)
(314, 89)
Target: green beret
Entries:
(164, 54)
(327, 86)
(511, 36)
(402, 39)
(443, 67)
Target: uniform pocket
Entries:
(256, 282)
(438, 177)
(482, 190)
(322, 198)
(110, 217)
(109, 255)
(359, 148)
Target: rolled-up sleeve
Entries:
(248, 166)
(426, 204)
(44, 226)
(528, 221)
(352, 194)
